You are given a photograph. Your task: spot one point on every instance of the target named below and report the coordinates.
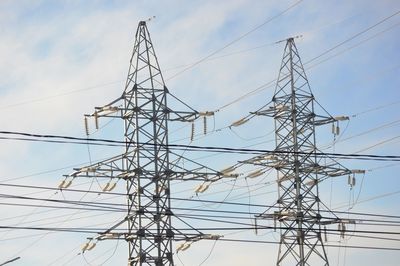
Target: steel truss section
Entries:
(298, 189)
(299, 169)
(146, 165)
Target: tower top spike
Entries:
(143, 22)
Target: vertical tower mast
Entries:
(145, 116)
(297, 179)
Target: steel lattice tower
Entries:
(145, 117)
(298, 186)
(145, 164)
(299, 169)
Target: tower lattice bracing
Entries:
(297, 178)
(299, 167)
(146, 165)
(146, 123)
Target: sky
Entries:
(60, 59)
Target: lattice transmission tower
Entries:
(146, 164)
(299, 164)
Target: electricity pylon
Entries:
(145, 165)
(299, 166)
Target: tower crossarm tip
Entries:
(204, 236)
(188, 115)
(182, 116)
(108, 109)
(273, 111)
(290, 39)
(323, 120)
(109, 168)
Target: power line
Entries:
(72, 202)
(270, 83)
(354, 36)
(326, 245)
(379, 107)
(106, 205)
(12, 260)
(259, 227)
(207, 148)
(236, 40)
(62, 207)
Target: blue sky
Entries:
(62, 58)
